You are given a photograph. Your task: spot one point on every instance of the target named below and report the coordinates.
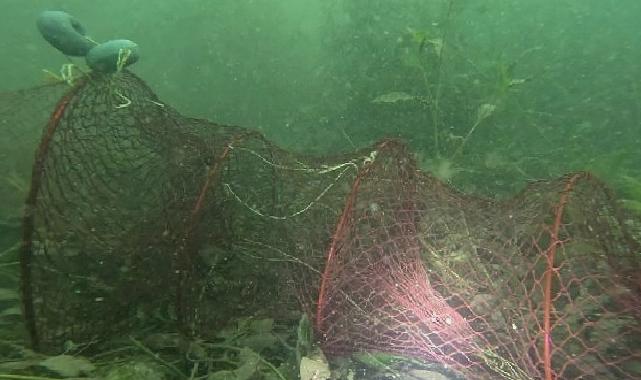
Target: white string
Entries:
(324, 169)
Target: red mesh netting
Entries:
(136, 211)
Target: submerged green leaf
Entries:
(67, 365)
(304, 336)
(394, 97)
(11, 312)
(222, 375)
(437, 44)
(135, 370)
(250, 362)
(314, 368)
(8, 294)
(484, 111)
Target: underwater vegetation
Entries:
(489, 97)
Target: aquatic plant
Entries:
(433, 54)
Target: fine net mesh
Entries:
(136, 212)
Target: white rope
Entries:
(345, 166)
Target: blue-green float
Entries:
(113, 55)
(65, 33)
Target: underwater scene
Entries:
(320, 189)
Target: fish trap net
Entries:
(137, 214)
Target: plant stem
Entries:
(260, 358)
(439, 65)
(157, 357)
(459, 150)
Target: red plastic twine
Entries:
(551, 251)
(27, 220)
